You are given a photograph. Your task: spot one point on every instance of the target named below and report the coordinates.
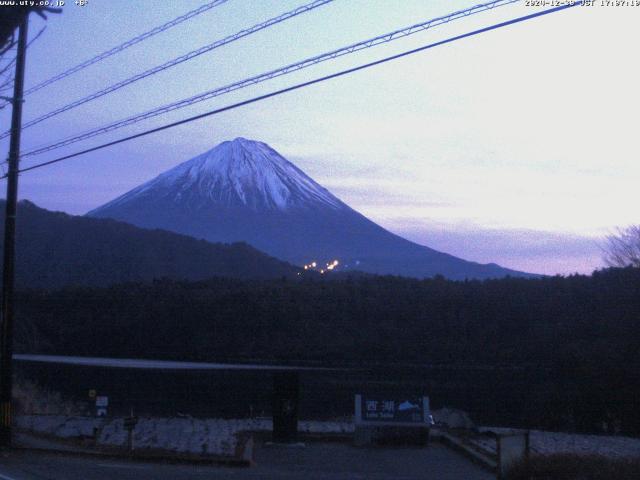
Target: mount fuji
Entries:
(243, 190)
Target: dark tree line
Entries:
(582, 331)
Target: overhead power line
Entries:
(127, 44)
(7, 84)
(380, 39)
(301, 85)
(176, 61)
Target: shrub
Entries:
(31, 399)
(575, 467)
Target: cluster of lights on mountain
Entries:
(328, 267)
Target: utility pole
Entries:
(8, 273)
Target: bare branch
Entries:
(623, 247)
(8, 46)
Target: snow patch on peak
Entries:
(238, 172)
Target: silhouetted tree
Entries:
(557, 352)
(623, 247)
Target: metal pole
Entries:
(8, 273)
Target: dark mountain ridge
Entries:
(54, 249)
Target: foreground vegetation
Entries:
(575, 467)
(32, 399)
(578, 336)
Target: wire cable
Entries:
(7, 85)
(176, 61)
(302, 85)
(129, 43)
(385, 38)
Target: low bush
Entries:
(31, 399)
(575, 467)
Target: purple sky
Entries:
(517, 147)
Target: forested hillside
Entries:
(581, 330)
(54, 249)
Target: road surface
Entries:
(327, 461)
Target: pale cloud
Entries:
(543, 252)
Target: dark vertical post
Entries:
(499, 473)
(285, 406)
(8, 273)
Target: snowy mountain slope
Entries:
(243, 190)
(240, 173)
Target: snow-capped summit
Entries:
(236, 173)
(243, 190)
